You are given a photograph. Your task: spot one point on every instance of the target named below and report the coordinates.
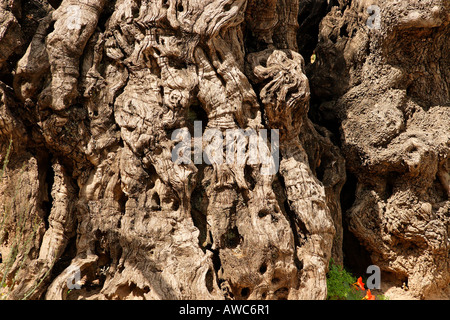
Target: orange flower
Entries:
(369, 295)
(359, 284)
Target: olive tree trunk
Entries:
(95, 96)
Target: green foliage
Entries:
(342, 285)
(382, 297)
(339, 284)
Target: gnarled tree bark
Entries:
(93, 94)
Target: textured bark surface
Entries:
(92, 91)
(395, 119)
